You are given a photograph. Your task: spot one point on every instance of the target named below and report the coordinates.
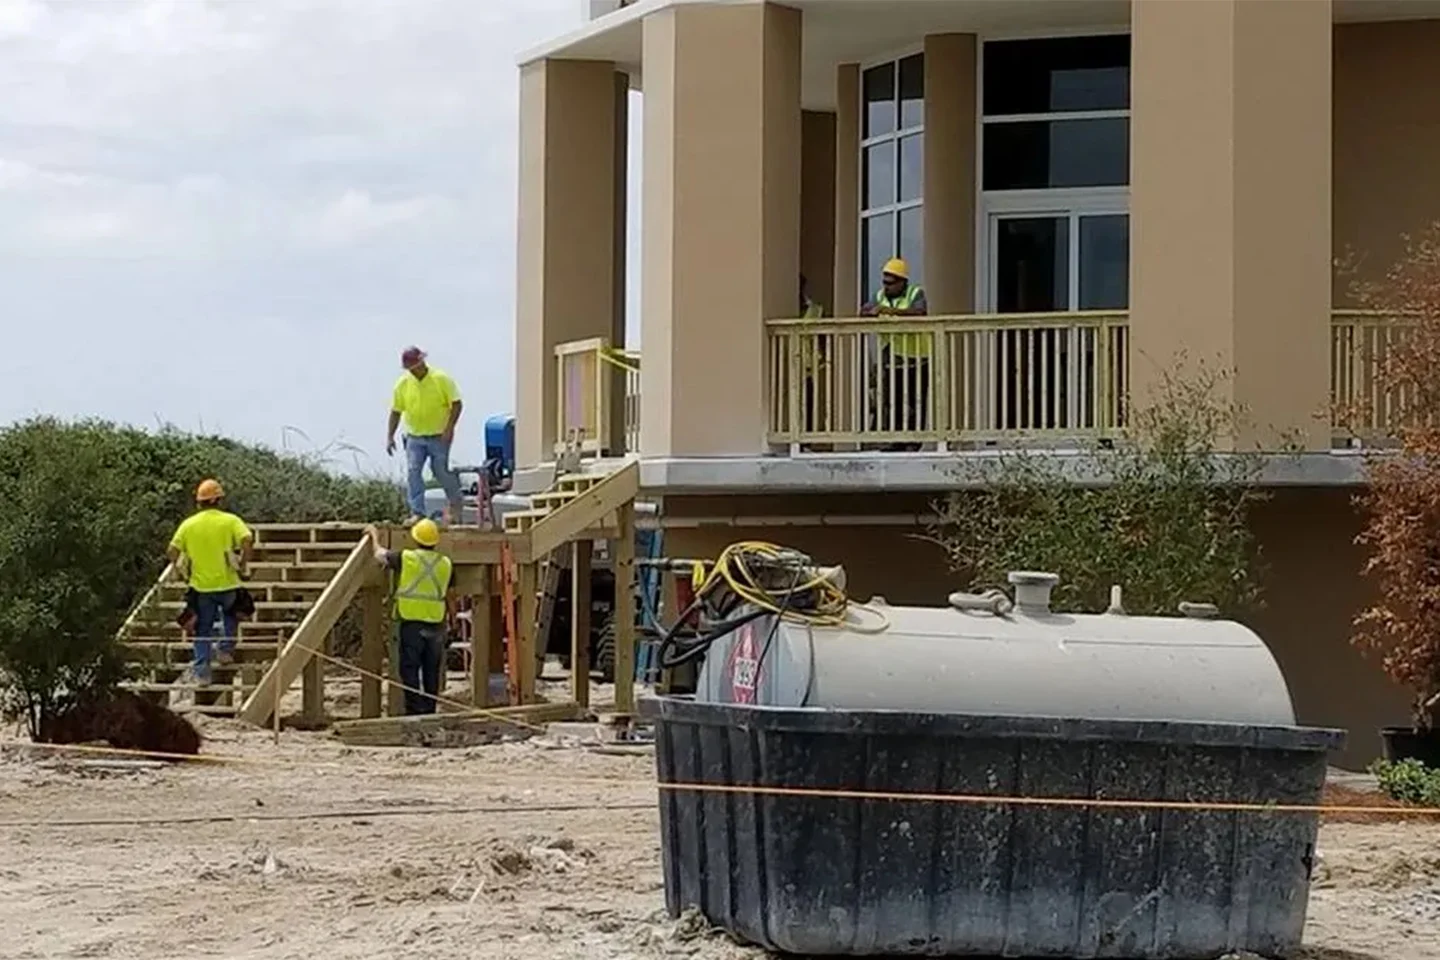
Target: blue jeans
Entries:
(212, 610)
(437, 451)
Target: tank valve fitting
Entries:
(994, 601)
(1199, 611)
(1032, 590)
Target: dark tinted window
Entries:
(1063, 74)
(1035, 155)
(879, 84)
(912, 91)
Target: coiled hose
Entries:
(735, 569)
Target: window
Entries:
(892, 168)
(1057, 113)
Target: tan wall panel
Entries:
(721, 245)
(1230, 203)
(847, 191)
(950, 169)
(567, 239)
(817, 206)
(1386, 144)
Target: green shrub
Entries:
(1408, 781)
(86, 510)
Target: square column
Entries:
(1230, 204)
(847, 191)
(571, 232)
(817, 206)
(950, 169)
(721, 209)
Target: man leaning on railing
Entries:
(904, 368)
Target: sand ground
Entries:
(551, 854)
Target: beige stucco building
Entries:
(1091, 192)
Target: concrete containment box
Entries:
(894, 876)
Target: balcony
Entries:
(949, 383)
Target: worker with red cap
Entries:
(429, 402)
(214, 547)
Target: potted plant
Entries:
(1401, 502)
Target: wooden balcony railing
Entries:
(1364, 410)
(946, 381)
(587, 373)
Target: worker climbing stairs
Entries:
(291, 566)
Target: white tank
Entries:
(984, 654)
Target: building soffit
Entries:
(856, 31)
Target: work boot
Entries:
(225, 658)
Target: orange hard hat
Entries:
(209, 490)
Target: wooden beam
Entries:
(581, 553)
(310, 635)
(624, 566)
(480, 638)
(525, 624)
(588, 509)
(405, 731)
(312, 688)
(465, 546)
(372, 650)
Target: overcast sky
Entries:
(232, 215)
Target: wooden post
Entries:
(582, 551)
(623, 560)
(525, 627)
(312, 686)
(481, 639)
(394, 696)
(372, 650)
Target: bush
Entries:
(1164, 514)
(86, 510)
(1402, 501)
(1408, 781)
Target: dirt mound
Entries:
(1336, 795)
(126, 721)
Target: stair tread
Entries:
(269, 585)
(148, 686)
(259, 604)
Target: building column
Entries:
(571, 231)
(817, 205)
(1230, 205)
(721, 237)
(847, 190)
(950, 166)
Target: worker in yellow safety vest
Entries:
(424, 605)
(814, 352)
(213, 547)
(904, 363)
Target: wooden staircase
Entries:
(291, 568)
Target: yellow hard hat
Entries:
(209, 490)
(896, 268)
(425, 532)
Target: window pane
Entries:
(1069, 73)
(912, 167)
(1105, 262)
(877, 241)
(912, 242)
(1032, 264)
(879, 175)
(1057, 153)
(879, 94)
(912, 91)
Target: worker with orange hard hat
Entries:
(213, 547)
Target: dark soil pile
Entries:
(126, 721)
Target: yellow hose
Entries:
(732, 569)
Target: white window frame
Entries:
(1072, 206)
(1072, 202)
(894, 136)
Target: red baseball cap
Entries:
(411, 356)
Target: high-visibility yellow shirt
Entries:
(421, 585)
(209, 540)
(425, 402)
(909, 346)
